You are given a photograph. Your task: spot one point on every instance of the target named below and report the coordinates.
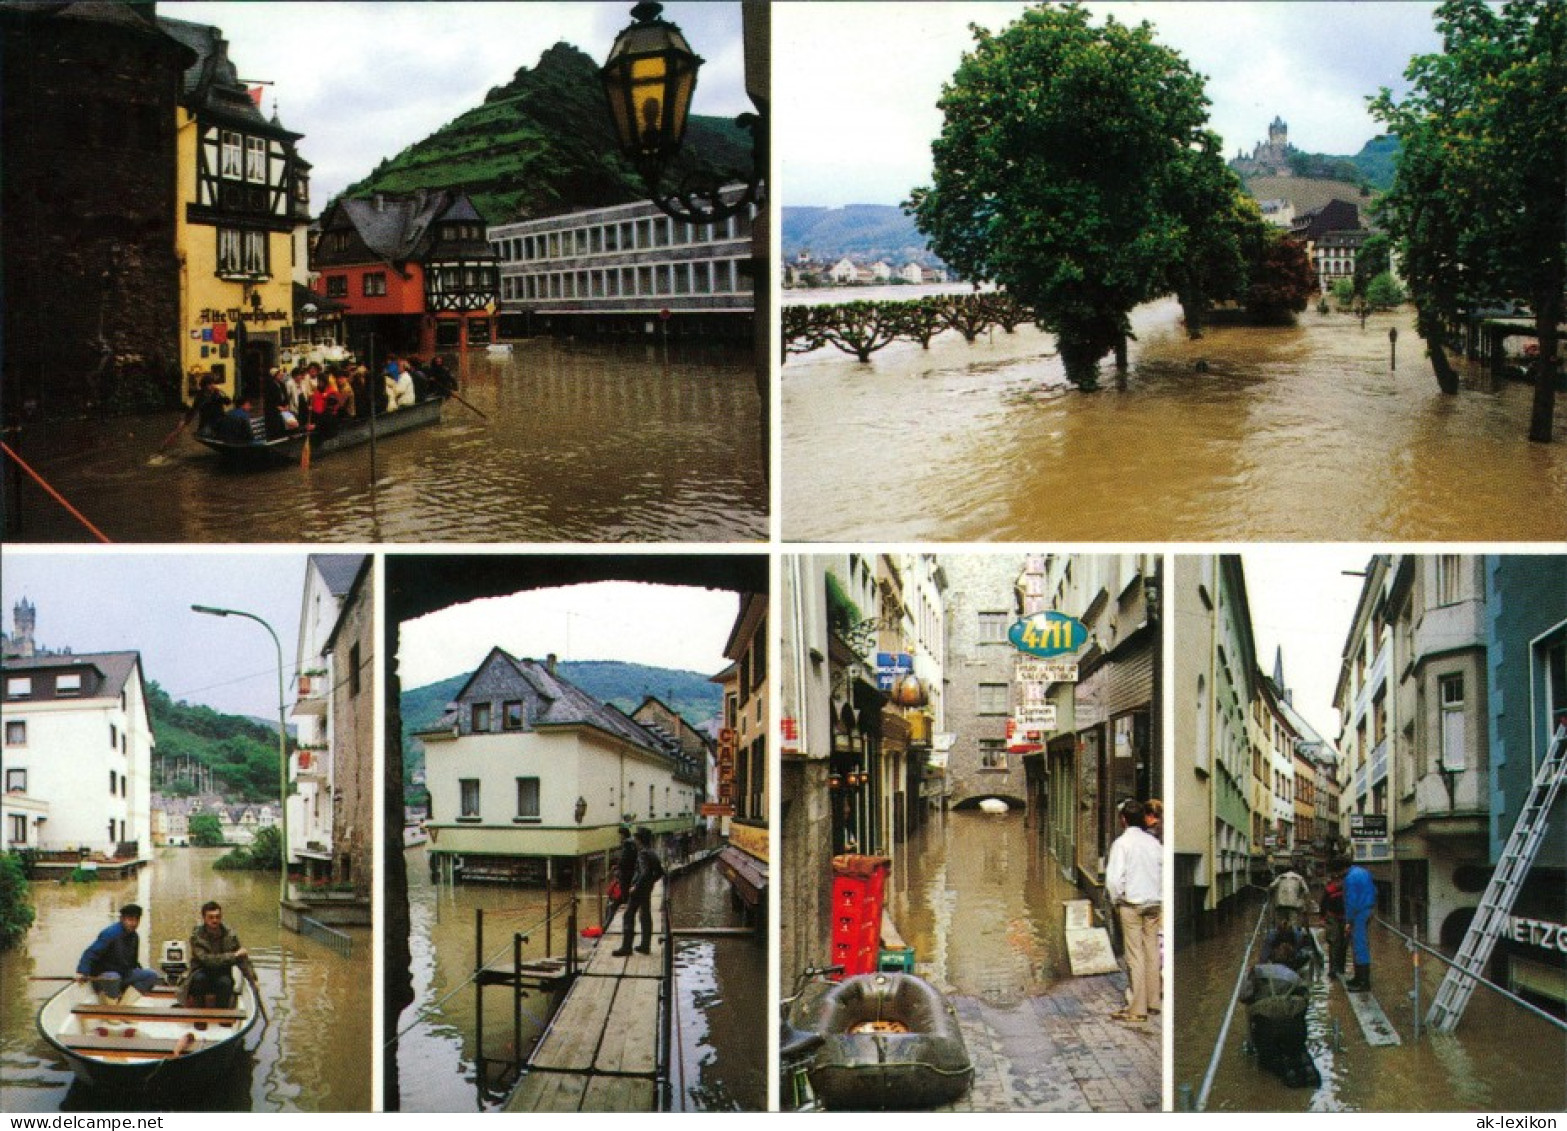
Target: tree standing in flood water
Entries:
(1479, 200)
(1064, 170)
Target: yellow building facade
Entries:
(242, 191)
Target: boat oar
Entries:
(256, 988)
(51, 977)
(454, 395)
(178, 428)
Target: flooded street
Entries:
(311, 1057)
(1295, 434)
(1499, 1058)
(979, 900)
(721, 1015)
(582, 442)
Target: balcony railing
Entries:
(1379, 763)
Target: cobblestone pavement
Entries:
(1060, 1051)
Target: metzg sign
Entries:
(1047, 634)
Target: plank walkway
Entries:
(1373, 1020)
(600, 1052)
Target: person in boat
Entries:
(215, 951)
(639, 899)
(443, 382)
(1277, 996)
(277, 406)
(403, 387)
(625, 872)
(1135, 885)
(345, 398)
(111, 962)
(238, 425)
(207, 408)
(360, 382)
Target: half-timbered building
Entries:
(243, 189)
(415, 272)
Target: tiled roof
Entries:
(115, 666)
(337, 570)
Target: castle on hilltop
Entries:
(1268, 158)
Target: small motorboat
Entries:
(890, 1042)
(145, 1041)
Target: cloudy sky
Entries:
(363, 81)
(667, 626)
(855, 85)
(114, 601)
(1302, 598)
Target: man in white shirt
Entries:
(1134, 880)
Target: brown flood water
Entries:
(313, 1056)
(583, 442)
(721, 1035)
(979, 899)
(1295, 434)
(1500, 1058)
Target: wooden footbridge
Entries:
(607, 1047)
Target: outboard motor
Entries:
(175, 962)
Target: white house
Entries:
(845, 272)
(328, 578)
(78, 754)
(912, 273)
(525, 766)
(880, 272)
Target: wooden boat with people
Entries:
(289, 448)
(145, 1041)
(891, 1042)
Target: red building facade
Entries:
(415, 273)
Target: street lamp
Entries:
(282, 744)
(649, 78)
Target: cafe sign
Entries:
(1047, 634)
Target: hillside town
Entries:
(176, 831)
(178, 197)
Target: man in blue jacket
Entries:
(1360, 900)
(111, 960)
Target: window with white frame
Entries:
(16, 732)
(15, 780)
(468, 789)
(256, 160)
(17, 686)
(1451, 691)
(68, 684)
(18, 828)
(232, 159)
(993, 628)
(992, 754)
(528, 799)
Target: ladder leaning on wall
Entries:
(1492, 915)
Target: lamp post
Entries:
(282, 743)
(649, 78)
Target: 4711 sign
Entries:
(1047, 634)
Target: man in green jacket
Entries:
(214, 952)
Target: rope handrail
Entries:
(1229, 1014)
(53, 494)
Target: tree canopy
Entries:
(1478, 207)
(1073, 169)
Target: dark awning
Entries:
(745, 873)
